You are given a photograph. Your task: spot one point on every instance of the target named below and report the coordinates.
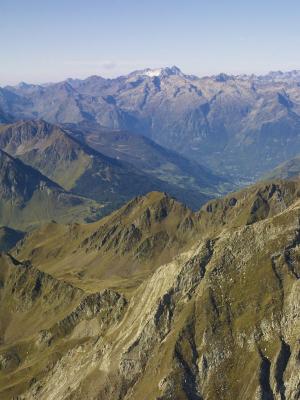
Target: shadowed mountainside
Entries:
(28, 199)
(9, 238)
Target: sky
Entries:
(50, 40)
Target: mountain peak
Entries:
(29, 128)
(222, 77)
(23, 85)
(160, 72)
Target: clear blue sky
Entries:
(49, 40)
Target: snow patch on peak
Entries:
(153, 72)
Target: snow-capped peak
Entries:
(160, 72)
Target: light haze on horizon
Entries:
(51, 41)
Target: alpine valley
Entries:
(150, 238)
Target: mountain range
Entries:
(158, 302)
(133, 266)
(239, 126)
(75, 166)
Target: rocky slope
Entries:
(239, 125)
(215, 314)
(47, 310)
(28, 198)
(257, 202)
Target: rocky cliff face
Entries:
(218, 320)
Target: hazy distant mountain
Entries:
(289, 76)
(82, 170)
(288, 169)
(4, 118)
(238, 125)
(27, 198)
